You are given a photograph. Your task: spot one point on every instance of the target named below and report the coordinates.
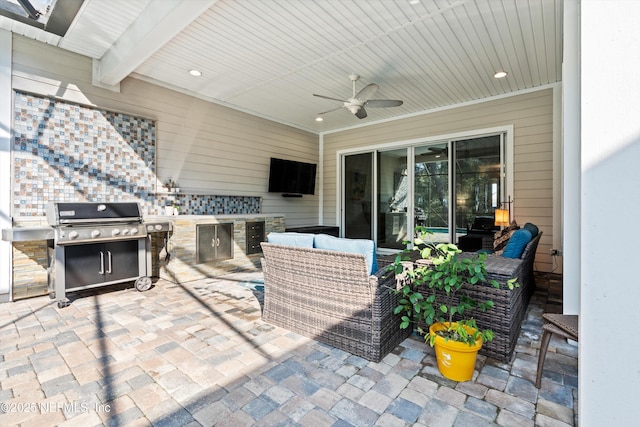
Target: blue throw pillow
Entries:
(532, 228)
(358, 246)
(304, 240)
(517, 243)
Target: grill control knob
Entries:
(158, 227)
(73, 234)
(134, 231)
(150, 227)
(95, 233)
(125, 231)
(115, 231)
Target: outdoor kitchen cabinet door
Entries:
(100, 262)
(215, 242)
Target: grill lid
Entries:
(72, 213)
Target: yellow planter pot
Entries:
(456, 360)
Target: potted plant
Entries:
(434, 295)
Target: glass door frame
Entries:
(506, 172)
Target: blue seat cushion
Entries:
(358, 246)
(532, 228)
(304, 240)
(517, 243)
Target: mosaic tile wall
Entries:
(69, 152)
(197, 204)
(66, 152)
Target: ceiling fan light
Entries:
(500, 74)
(353, 108)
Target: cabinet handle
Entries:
(109, 262)
(101, 263)
(218, 242)
(213, 243)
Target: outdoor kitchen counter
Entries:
(27, 234)
(189, 257)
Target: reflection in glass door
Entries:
(393, 199)
(478, 184)
(431, 195)
(358, 196)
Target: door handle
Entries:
(109, 262)
(101, 263)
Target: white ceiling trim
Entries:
(161, 21)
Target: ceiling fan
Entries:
(359, 100)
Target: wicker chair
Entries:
(330, 297)
(563, 325)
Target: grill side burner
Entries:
(99, 244)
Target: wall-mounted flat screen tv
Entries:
(291, 177)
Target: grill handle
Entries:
(101, 263)
(109, 262)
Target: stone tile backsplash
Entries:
(68, 152)
(198, 204)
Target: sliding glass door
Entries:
(478, 185)
(358, 196)
(431, 189)
(442, 185)
(393, 199)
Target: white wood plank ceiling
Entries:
(267, 57)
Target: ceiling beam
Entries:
(160, 22)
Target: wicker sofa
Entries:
(506, 317)
(510, 306)
(330, 296)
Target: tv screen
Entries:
(291, 177)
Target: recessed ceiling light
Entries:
(500, 74)
(195, 73)
(414, 1)
(319, 119)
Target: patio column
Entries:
(571, 159)
(5, 161)
(610, 153)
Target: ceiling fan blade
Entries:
(328, 111)
(383, 103)
(361, 113)
(328, 97)
(367, 92)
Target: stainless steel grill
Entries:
(99, 244)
